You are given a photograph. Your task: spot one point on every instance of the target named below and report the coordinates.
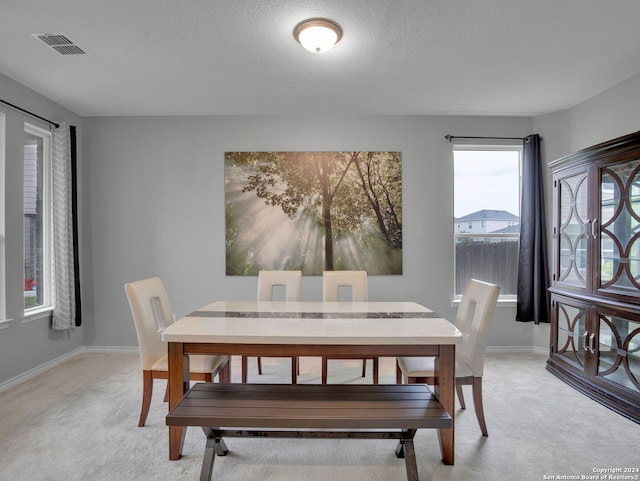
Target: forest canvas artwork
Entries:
(313, 211)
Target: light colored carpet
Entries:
(78, 422)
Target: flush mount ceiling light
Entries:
(317, 34)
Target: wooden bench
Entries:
(382, 411)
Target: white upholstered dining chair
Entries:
(333, 284)
(151, 311)
(268, 281)
(473, 319)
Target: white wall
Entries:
(152, 204)
(157, 200)
(157, 204)
(613, 113)
(26, 346)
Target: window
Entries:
(487, 192)
(37, 215)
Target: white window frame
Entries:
(47, 291)
(489, 146)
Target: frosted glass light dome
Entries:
(317, 34)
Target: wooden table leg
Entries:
(445, 380)
(245, 368)
(178, 385)
(224, 376)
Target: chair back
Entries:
(152, 312)
(290, 280)
(332, 281)
(474, 317)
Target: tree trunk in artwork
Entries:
(326, 215)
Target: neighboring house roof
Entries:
(513, 229)
(486, 214)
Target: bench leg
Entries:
(410, 434)
(400, 450)
(209, 457)
(215, 445)
(410, 460)
(221, 447)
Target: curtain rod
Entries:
(451, 137)
(50, 122)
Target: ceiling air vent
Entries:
(60, 42)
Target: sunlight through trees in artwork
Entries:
(313, 211)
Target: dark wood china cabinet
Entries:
(595, 296)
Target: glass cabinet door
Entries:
(619, 351)
(572, 227)
(619, 228)
(571, 333)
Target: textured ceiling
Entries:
(397, 57)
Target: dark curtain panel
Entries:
(533, 267)
(74, 211)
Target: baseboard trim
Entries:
(112, 349)
(517, 350)
(36, 371)
(24, 377)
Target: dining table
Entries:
(310, 328)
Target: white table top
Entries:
(317, 323)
